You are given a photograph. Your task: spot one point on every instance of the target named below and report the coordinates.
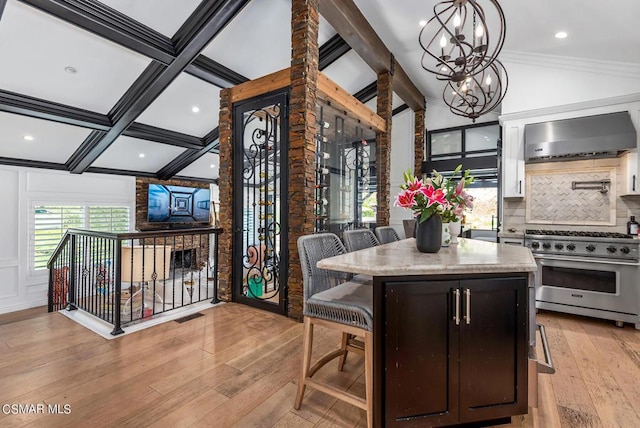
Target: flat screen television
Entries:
(178, 204)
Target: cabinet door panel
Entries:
(493, 348)
(421, 373)
(513, 161)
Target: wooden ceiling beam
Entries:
(25, 105)
(367, 93)
(331, 51)
(261, 85)
(339, 98)
(350, 23)
(111, 24)
(203, 25)
(189, 156)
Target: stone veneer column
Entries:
(225, 244)
(418, 142)
(383, 146)
(302, 130)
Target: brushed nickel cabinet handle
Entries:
(467, 316)
(456, 317)
(634, 182)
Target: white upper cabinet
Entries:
(513, 184)
(630, 184)
(631, 162)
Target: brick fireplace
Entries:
(189, 252)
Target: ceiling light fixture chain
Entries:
(461, 49)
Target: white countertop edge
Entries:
(432, 269)
(401, 258)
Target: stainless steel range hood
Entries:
(588, 137)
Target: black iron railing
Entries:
(128, 277)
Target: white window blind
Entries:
(109, 219)
(51, 222)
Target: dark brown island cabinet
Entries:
(455, 349)
(451, 331)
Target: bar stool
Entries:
(331, 302)
(386, 234)
(359, 239)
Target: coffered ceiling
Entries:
(132, 86)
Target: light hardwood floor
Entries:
(238, 366)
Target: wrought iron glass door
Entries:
(261, 135)
(346, 182)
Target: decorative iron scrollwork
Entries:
(261, 231)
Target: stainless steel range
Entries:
(587, 273)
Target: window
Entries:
(463, 142)
(476, 148)
(51, 222)
(109, 219)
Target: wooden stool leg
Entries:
(306, 361)
(343, 357)
(368, 375)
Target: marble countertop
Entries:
(469, 256)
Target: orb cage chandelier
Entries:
(461, 50)
(478, 94)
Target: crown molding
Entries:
(609, 68)
(584, 105)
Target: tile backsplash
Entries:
(560, 196)
(581, 211)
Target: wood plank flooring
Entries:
(238, 367)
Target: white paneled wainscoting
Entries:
(22, 190)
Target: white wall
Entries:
(541, 81)
(21, 190)
(438, 116)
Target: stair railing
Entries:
(129, 277)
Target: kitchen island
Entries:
(451, 332)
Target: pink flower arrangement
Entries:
(436, 195)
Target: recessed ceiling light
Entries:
(141, 155)
(422, 23)
(212, 166)
(561, 35)
(71, 70)
(28, 138)
(195, 109)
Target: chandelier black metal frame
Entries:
(461, 50)
(477, 94)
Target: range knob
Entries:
(559, 246)
(535, 245)
(624, 250)
(611, 249)
(546, 245)
(571, 247)
(591, 248)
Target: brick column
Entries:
(383, 146)
(302, 130)
(225, 245)
(418, 142)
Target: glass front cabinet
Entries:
(345, 172)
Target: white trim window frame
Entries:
(101, 216)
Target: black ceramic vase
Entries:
(429, 234)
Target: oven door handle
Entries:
(587, 259)
(546, 367)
